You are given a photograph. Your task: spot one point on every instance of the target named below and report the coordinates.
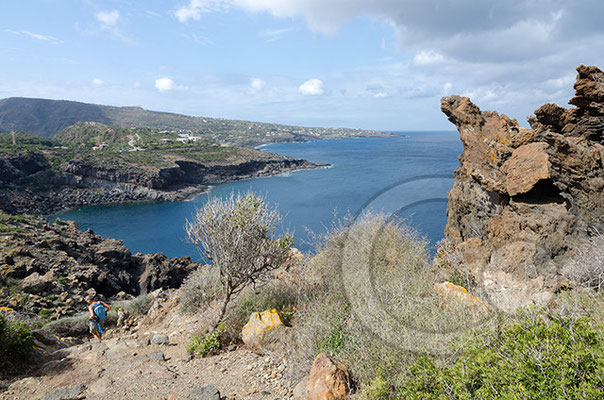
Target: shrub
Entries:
(374, 305)
(207, 343)
(236, 235)
(138, 306)
(535, 357)
(200, 289)
(449, 264)
(16, 343)
(586, 267)
(76, 325)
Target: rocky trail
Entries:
(153, 363)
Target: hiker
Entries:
(98, 312)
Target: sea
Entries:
(406, 177)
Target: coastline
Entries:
(91, 191)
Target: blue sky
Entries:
(380, 64)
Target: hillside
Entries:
(92, 163)
(42, 117)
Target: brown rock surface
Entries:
(523, 198)
(328, 380)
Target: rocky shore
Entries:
(32, 186)
(47, 269)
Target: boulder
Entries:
(328, 380)
(528, 165)
(460, 294)
(205, 393)
(160, 339)
(258, 325)
(67, 393)
(36, 283)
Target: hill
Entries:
(43, 117)
(92, 163)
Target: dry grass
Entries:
(373, 305)
(586, 267)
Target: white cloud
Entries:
(272, 35)
(33, 35)
(108, 18)
(312, 87)
(427, 57)
(164, 84)
(257, 85)
(98, 82)
(195, 8)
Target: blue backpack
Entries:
(99, 311)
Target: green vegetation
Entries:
(63, 280)
(47, 117)
(206, 344)
(537, 357)
(16, 343)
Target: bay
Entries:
(408, 175)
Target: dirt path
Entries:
(135, 366)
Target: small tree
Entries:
(236, 235)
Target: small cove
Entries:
(409, 174)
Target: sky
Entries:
(372, 64)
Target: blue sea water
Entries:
(408, 176)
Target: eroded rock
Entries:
(523, 198)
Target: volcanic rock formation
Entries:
(524, 198)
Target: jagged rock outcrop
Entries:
(48, 269)
(523, 198)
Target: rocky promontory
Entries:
(92, 163)
(523, 199)
(47, 269)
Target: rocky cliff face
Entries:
(30, 185)
(524, 198)
(48, 269)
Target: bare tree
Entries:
(236, 235)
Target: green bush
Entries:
(206, 344)
(537, 357)
(16, 343)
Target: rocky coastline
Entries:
(32, 186)
(47, 269)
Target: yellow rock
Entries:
(258, 325)
(460, 294)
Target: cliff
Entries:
(47, 269)
(524, 198)
(92, 163)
